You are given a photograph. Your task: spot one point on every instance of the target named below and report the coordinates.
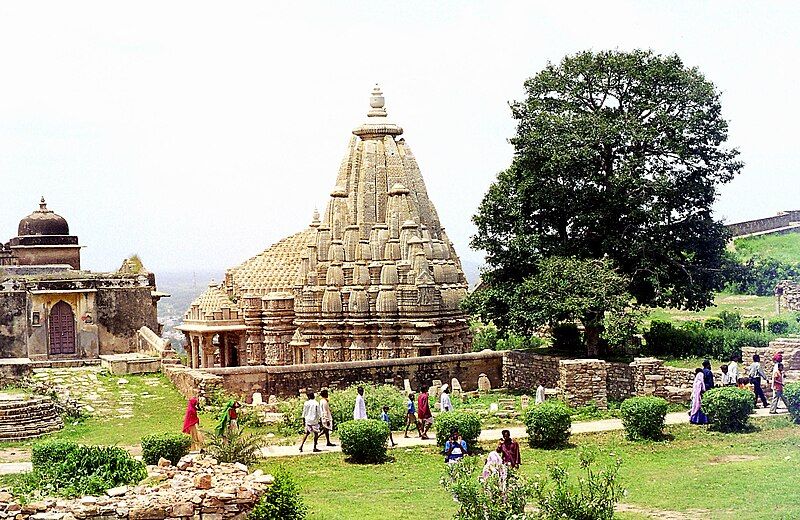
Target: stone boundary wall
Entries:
(197, 489)
(790, 347)
(582, 381)
(288, 380)
(782, 219)
(619, 381)
(527, 370)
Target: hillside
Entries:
(785, 248)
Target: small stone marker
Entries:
(163, 463)
(257, 399)
(272, 399)
(525, 401)
(455, 386)
(493, 407)
(484, 385)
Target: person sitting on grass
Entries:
(411, 416)
(385, 418)
(311, 417)
(455, 448)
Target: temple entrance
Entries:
(62, 330)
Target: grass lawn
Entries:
(785, 248)
(746, 305)
(726, 475)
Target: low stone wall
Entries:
(583, 381)
(287, 381)
(782, 219)
(525, 371)
(790, 347)
(13, 370)
(197, 489)
(619, 381)
(191, 382)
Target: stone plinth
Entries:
(26, 417)
(582, 381)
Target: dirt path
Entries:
(692, 514)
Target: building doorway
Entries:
(62, 330)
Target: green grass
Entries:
(785, 248)
(726, 474)
(746, 305)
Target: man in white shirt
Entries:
(360, 409)
(444, 402)
(733, 369)
(311, 417)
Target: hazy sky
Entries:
(198, 133)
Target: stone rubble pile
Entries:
(198, 488)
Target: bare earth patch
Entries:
(691, 514)
(14, 455)
(732, 458)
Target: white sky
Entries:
(198, 133)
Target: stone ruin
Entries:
(27, 417)
(787, 293)
(198, 488)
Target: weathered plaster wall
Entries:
(121, 312)
(13, 325)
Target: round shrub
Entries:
(714, 324)
(778, 326)
(548, 424)
(791, 391)
(728, 408)
(753, 324)
(643, 417)
(468, 425)
(171, 446)
(364, 440)
(282, 500)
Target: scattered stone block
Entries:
(484, 385)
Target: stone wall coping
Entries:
(581, 361)
(344, 365)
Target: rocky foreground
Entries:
(198, 488)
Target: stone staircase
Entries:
(25, 417)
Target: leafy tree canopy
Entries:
(618, 155)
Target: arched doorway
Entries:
(62, 330)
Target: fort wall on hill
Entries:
(783, 222)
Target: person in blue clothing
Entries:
(385, 418)
(455, 448)
(708, 375)
(411, 416)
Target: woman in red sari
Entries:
(190, 424)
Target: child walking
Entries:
(777, 389)
(411, 416)
(385, 418)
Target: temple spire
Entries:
(377, 102)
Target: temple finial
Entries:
(377, 102)
(42, 204)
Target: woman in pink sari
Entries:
(190, 424)
(696, 415)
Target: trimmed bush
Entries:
(728, 408)
(282, 500)
(731, 320)
(364, 440)
(778, 326)
(468, 425)
(643, 417)
(714, 324)
(548, 424)
(791, 391)
(68, 469)
(171, 446)
(753, 324)
(691, 340)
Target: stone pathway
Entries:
(517, 432)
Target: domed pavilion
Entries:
(374, 278)
(43, 239)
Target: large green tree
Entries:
(618, 155)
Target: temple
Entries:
(375, 277)
(52, 310)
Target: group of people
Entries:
(704, 381)
(228, 420)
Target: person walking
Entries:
(756, 373)
(444, 403)
(411, 416)
(360, 409)
(510, 450)
(190, 424)
(696, 415)
(777, 389)
(385, 418)
(311, 417)
(228, 418)
(326, 417)
(733, 368)
(424, 414)
(708, 375)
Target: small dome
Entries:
(43, 222)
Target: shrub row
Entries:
(171, 446)
(694, 340)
